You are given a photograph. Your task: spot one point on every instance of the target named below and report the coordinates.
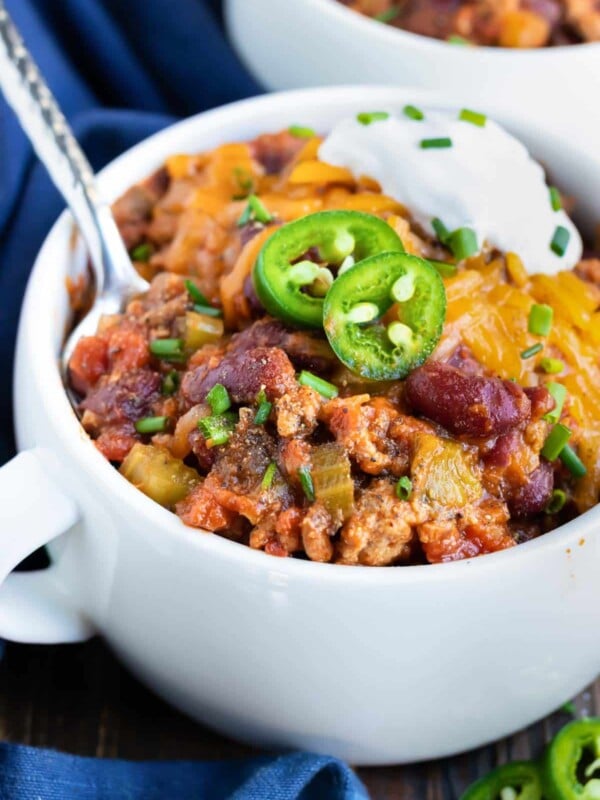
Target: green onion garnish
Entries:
(560, 241)
(218, 428)
(540, 320)
(473, 117)
(463, 243)
(572, 462)
(441, 231)
(389, 15)
(556, 502)
(367, 117)
(555, 198)
(142, 252)
(306, 482)
(454, 38)
(446, 270)
(559, 394)
(268, 476)
(209, 311)
(436, 144)
(264, 408)
(552, 366)
(244, 180)
(555, 442)
(532, 351)
(321, 386)
(218, 399)
(255, 210)
(195, 294)
(301, 132)
(412, 112)
(167, 349)
(151, 424)
(404, 488)
(569, 708)
(170, 383)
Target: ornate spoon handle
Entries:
(48, 131)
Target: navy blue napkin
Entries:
(121, 70)
(27, 773)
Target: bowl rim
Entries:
(390, 34)
(163, 523)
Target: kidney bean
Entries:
(533, 497)
(243, 374)
(472, 405)
(128, 398)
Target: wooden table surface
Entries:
(78, 699)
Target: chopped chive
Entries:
(555, 442)
(441, 231)
(435, 144)
(151, 424)
(321, 386)
(412, 112)
(446, 270)
(552, 366)
(306, 482)
(540, 320)
(170, 383)
(263, 412)
(454, 38)
(218, 399)
(532, 351)
(555, 198)
(560, 241)
(244, 180)
(142, 252)
(463, 243)
(218, 428)
(268, 476)
(569, 708)
(572, 462)
(466, 115)
(389, 15)
(195, 294)
(559, 394)
(209, 311)
(404, 488)
(255, 210)
(367, 117)
(301, 132)
(167, 349)
(556, 502)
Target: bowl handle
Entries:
(33, 511)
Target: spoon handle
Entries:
(48, 131)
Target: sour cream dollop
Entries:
(486, 181)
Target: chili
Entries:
(290, 286)
(519, 780)
(359, 327)
(572, 762)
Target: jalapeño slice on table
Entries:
(572, 762)
(292, 287)
(385, 316)
(520, 780)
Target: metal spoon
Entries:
(42, 120)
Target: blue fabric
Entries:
(27, 773)
(121, 70)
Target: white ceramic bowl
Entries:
(298, 43)
(374, 665)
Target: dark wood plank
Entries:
(78, 699)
